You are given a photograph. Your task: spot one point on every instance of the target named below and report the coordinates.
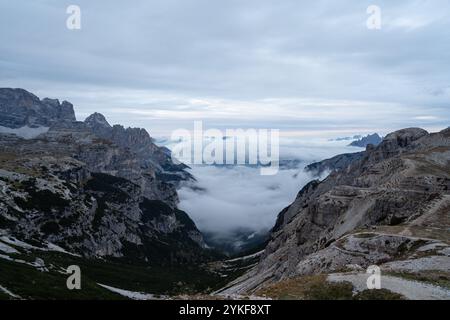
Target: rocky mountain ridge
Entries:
(338, 162)
(91, 188)
(20, 108)
(373, 139)
(390, 206)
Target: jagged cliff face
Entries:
(139, 142)
(19, 108)
(91, 188)
(338, 162)
(388, 204)
(373, 139)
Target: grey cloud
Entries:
(254, 202)
(233, 50)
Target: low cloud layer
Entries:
(239, 197)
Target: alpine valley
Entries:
(104, 197)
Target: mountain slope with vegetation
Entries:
(99, 196)
(390, 207)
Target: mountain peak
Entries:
(373, 139)
(19, 108)
(410, 134)
(97, 120)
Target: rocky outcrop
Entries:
(378, 208)
(338, 162)
(19, 108)
(58, 200)
(129, 153)
(373, 139)
(139, 142)
(89, 187)
(97, 122)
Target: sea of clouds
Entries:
(225, 199)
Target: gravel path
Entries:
(432, 263)
(9, 293)
(412, 290)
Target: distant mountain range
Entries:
(360, 141)
(355, 137)
(342, 161)
(373, 139)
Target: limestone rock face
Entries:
(19, 108)
(97, 122)
(92, 188)
(139, 142)
(58, 200)
(373, 139)
(378, 208)
(338, 162)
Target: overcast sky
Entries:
(310, 66)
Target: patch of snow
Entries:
(54, 247)
(129, 294)
(38, 263)
(7, 249)
(18, 243)
(4, 256)
(25, 132)
(250, 256)
(9, 293)
(49, 246)
(241, 297)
